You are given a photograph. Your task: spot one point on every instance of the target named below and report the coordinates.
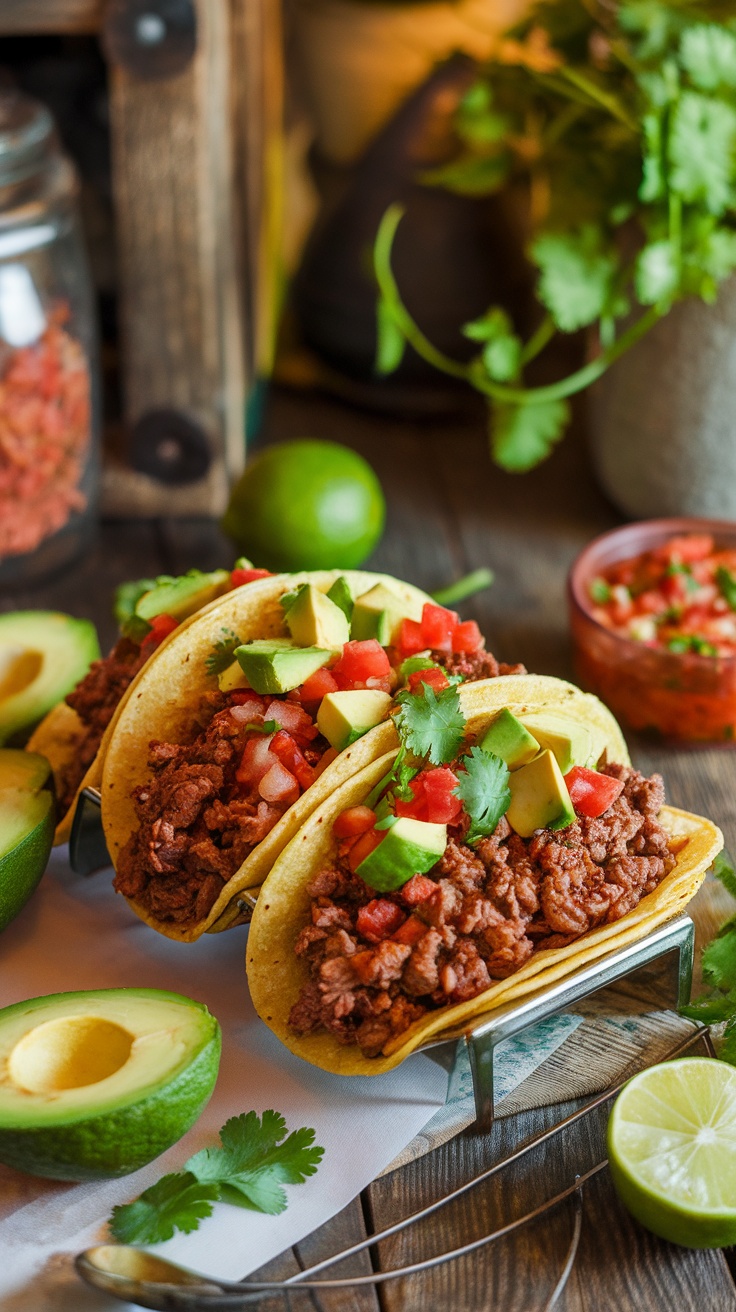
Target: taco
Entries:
(251, 717)
(74, 735)
(464, 869)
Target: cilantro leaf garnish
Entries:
(726, 582)
(431, 725)
(483, 787)
(600, 591)
(127, 596)
(247, 1170)
(223, 652)
(719, 971)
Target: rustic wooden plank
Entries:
(347, 1228)
(33, 17)
(181, 315)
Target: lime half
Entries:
(672, 1151)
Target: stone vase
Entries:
(662, 420)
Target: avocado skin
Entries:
(118, 1142)
(21, 869)
(69, 647)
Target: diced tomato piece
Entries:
(438, 626)
(317, 686)
(356, 820)
(378, 919)
(278, 786)
(359, 663)
(417, 889)
(363, 847)
(467, 637)
(290, 755)
(293, 718)
(411, 931)
(591, 793)
(435, 678)
(688, 547)
(442, 804)
(240, 576)
(434, 799)
(256, 760)
(411, 638)
(161, 627)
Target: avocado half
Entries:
(43, 655)
(26, 827)
(96, 1084)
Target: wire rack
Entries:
(196, 1293)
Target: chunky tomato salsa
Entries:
(679, 597)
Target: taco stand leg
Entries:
(481, 1042)
(87, 849)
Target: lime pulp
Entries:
(672, 1151)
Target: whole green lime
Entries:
(306, 505)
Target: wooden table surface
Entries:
(450, 510)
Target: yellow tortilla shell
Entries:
(276, 975)
(162, 703)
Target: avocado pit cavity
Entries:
(70, 1052)
(19, 667)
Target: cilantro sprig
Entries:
(248, 1170)
(619, 121)
(223, 651)
(719, 972)
(431, 725)
(483, 788)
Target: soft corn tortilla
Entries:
(165, 696)
(276, 975)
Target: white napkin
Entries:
(77, 934)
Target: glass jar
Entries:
(49, 384)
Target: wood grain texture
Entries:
(181, 313)
(27, 17)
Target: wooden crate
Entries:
(196, 182)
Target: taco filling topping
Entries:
(285, 708)
(465, 861)
(144, 621)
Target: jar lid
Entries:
(26, 129)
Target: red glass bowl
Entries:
(675, 695)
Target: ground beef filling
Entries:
(493, 905)
(95, 700)
(197, 823)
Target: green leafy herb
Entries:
(431, 725)
(287, 599)
(247, 1170)
(600, 591)
(719, 971)
(727, 585)
(467, 586)
(619, 122)
(483, 787)
(223, 651)
(685, 642)
(270, 726)
(342, 596)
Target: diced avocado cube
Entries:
(345, 716)
(276, 665)
(411, 847)
(231, 678)
(315, 621)
(342, 596)
(539, 797)
(182, 597)
(568, 739)
(506, 737)
(378, 613)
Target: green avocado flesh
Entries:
(570, 742)
(182, 597)
(378, 614)
(277, 666)
(539, 797)
(508, 739)
(26, 827)
(43, 655)
(411, 847)
(313, 620)
(96, 1084)
(343, 717)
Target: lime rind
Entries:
(672, 1151)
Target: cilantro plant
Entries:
(619, 120)
(430, 724)
(483, 788)
(221, 656)
(719, 972)
(248, 1169)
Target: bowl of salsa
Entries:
(653, 619)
